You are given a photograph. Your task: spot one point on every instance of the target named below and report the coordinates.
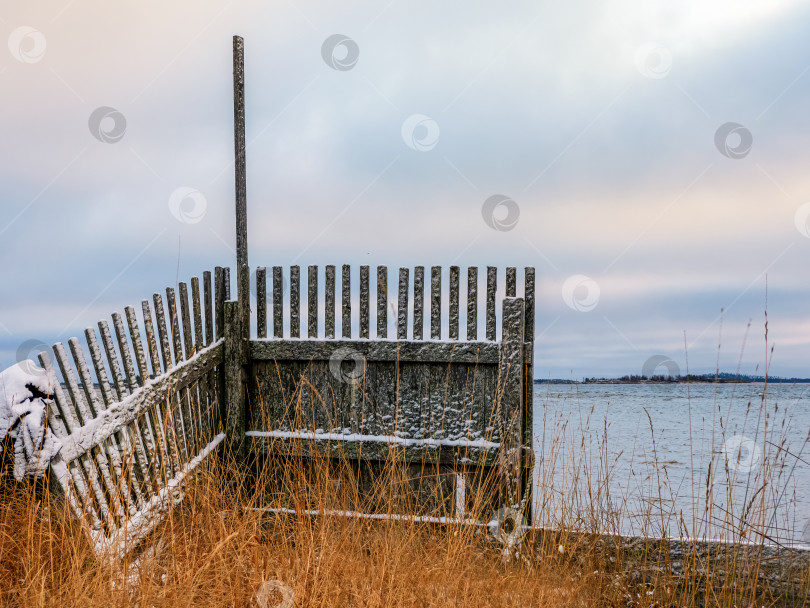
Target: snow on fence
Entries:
(458, 404)
(127, 433)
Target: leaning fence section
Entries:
(141, 416)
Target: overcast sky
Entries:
(607, 123)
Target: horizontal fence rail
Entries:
(137, 422)
(279, 297)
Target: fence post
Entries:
(510, 393)
(234, 406)
(240, 175)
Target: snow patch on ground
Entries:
(24, 398)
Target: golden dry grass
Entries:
(211, 551)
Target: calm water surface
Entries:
(710, 461)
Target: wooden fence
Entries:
(422, 392)
(131, 433)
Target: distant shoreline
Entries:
(707, 379)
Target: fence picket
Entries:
(209, 308)
(261, 302)
(382, 301)
(418, 302)
(312, 302)
(295, 301)
(364, 301)
(511, 282)
(151, 342)
(436, 302)
(454, 289)
(329, 303)
(402, 308)
(346, 301)
(472, 303)
(278, 303)
(492, 284)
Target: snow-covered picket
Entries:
(24, 390)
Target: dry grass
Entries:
(212, 551)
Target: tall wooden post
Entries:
(240, 171)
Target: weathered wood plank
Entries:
(428, 352)
(163, 332)
(151, 342)
(219, 299)
(511, 282)
(209, 307)
(373, 447)
(261, 302)
(295, 301)
(510, 397)
(382, 301)
(454, 291)
(174, 325)
(436, 302)
(364, 301)
(492, 286)
(234, 387)
(329, 302)
(185, 316)
(402, 307)
(346, 302)
(472, 303)
(278, 303)
(418, 302)
(312, 301)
